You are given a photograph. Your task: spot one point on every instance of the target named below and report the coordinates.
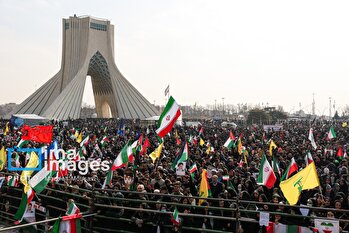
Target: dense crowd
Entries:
(146, 177)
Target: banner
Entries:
(272, 127)
(327, 225)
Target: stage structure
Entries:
(88, 49)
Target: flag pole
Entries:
(168, 93)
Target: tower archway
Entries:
(88, 49)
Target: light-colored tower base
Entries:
(88, 49)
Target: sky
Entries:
(254, 52)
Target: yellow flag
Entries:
(204, 190)
(76, 134)
(79, 139)
(245, 156)
(305, 179)
(240, 147)
(271, 147)
(6, 129)
(33, 163)
(156, 153)
(2, 158)
(202, 142)
(344, 124)
(208, 151)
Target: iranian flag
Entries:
(230, 141)
(195, 140)
(282, 228)
(193, 168)
(225, 177)
(68, 224)
(331, 134)
(39, 181)
(104, 140)
(326, 225)
(290, 170)
(311, 138)
(26, 199)
(12, 180)
(123, 157)
(308, 159)
(168, 117)
(85, 141)
(108, 179)
(175, 217)
(72, 208)
(266, 174)
(81, 154)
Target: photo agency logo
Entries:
(56, 160)
(26, 151)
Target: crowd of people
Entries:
(231, 173)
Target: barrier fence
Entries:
(108, 210)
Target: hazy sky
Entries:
(278, 52)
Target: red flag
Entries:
(146, 144)
(41, 133)
(178, 141)
(340, 152)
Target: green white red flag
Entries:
(308, 159)
(230, 141)
(331, 134)
(68, 224)
(175, 217)
(39, 181)
(108, 179)
(104, 140)
(85, 141)
(292, 168)
(168, 117)
(266, 174)
(193, 168)
(26, 199)
(311, 138)
(22, 143)
(123, 157)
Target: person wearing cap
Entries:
(176, 190)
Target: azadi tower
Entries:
(88, 49)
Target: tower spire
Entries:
(88, 49)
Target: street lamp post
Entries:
(223, 107)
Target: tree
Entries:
(346, 111)
(257, 115)
(277, 115)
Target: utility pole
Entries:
(215, 108)
(313, 105)
(330, 108)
